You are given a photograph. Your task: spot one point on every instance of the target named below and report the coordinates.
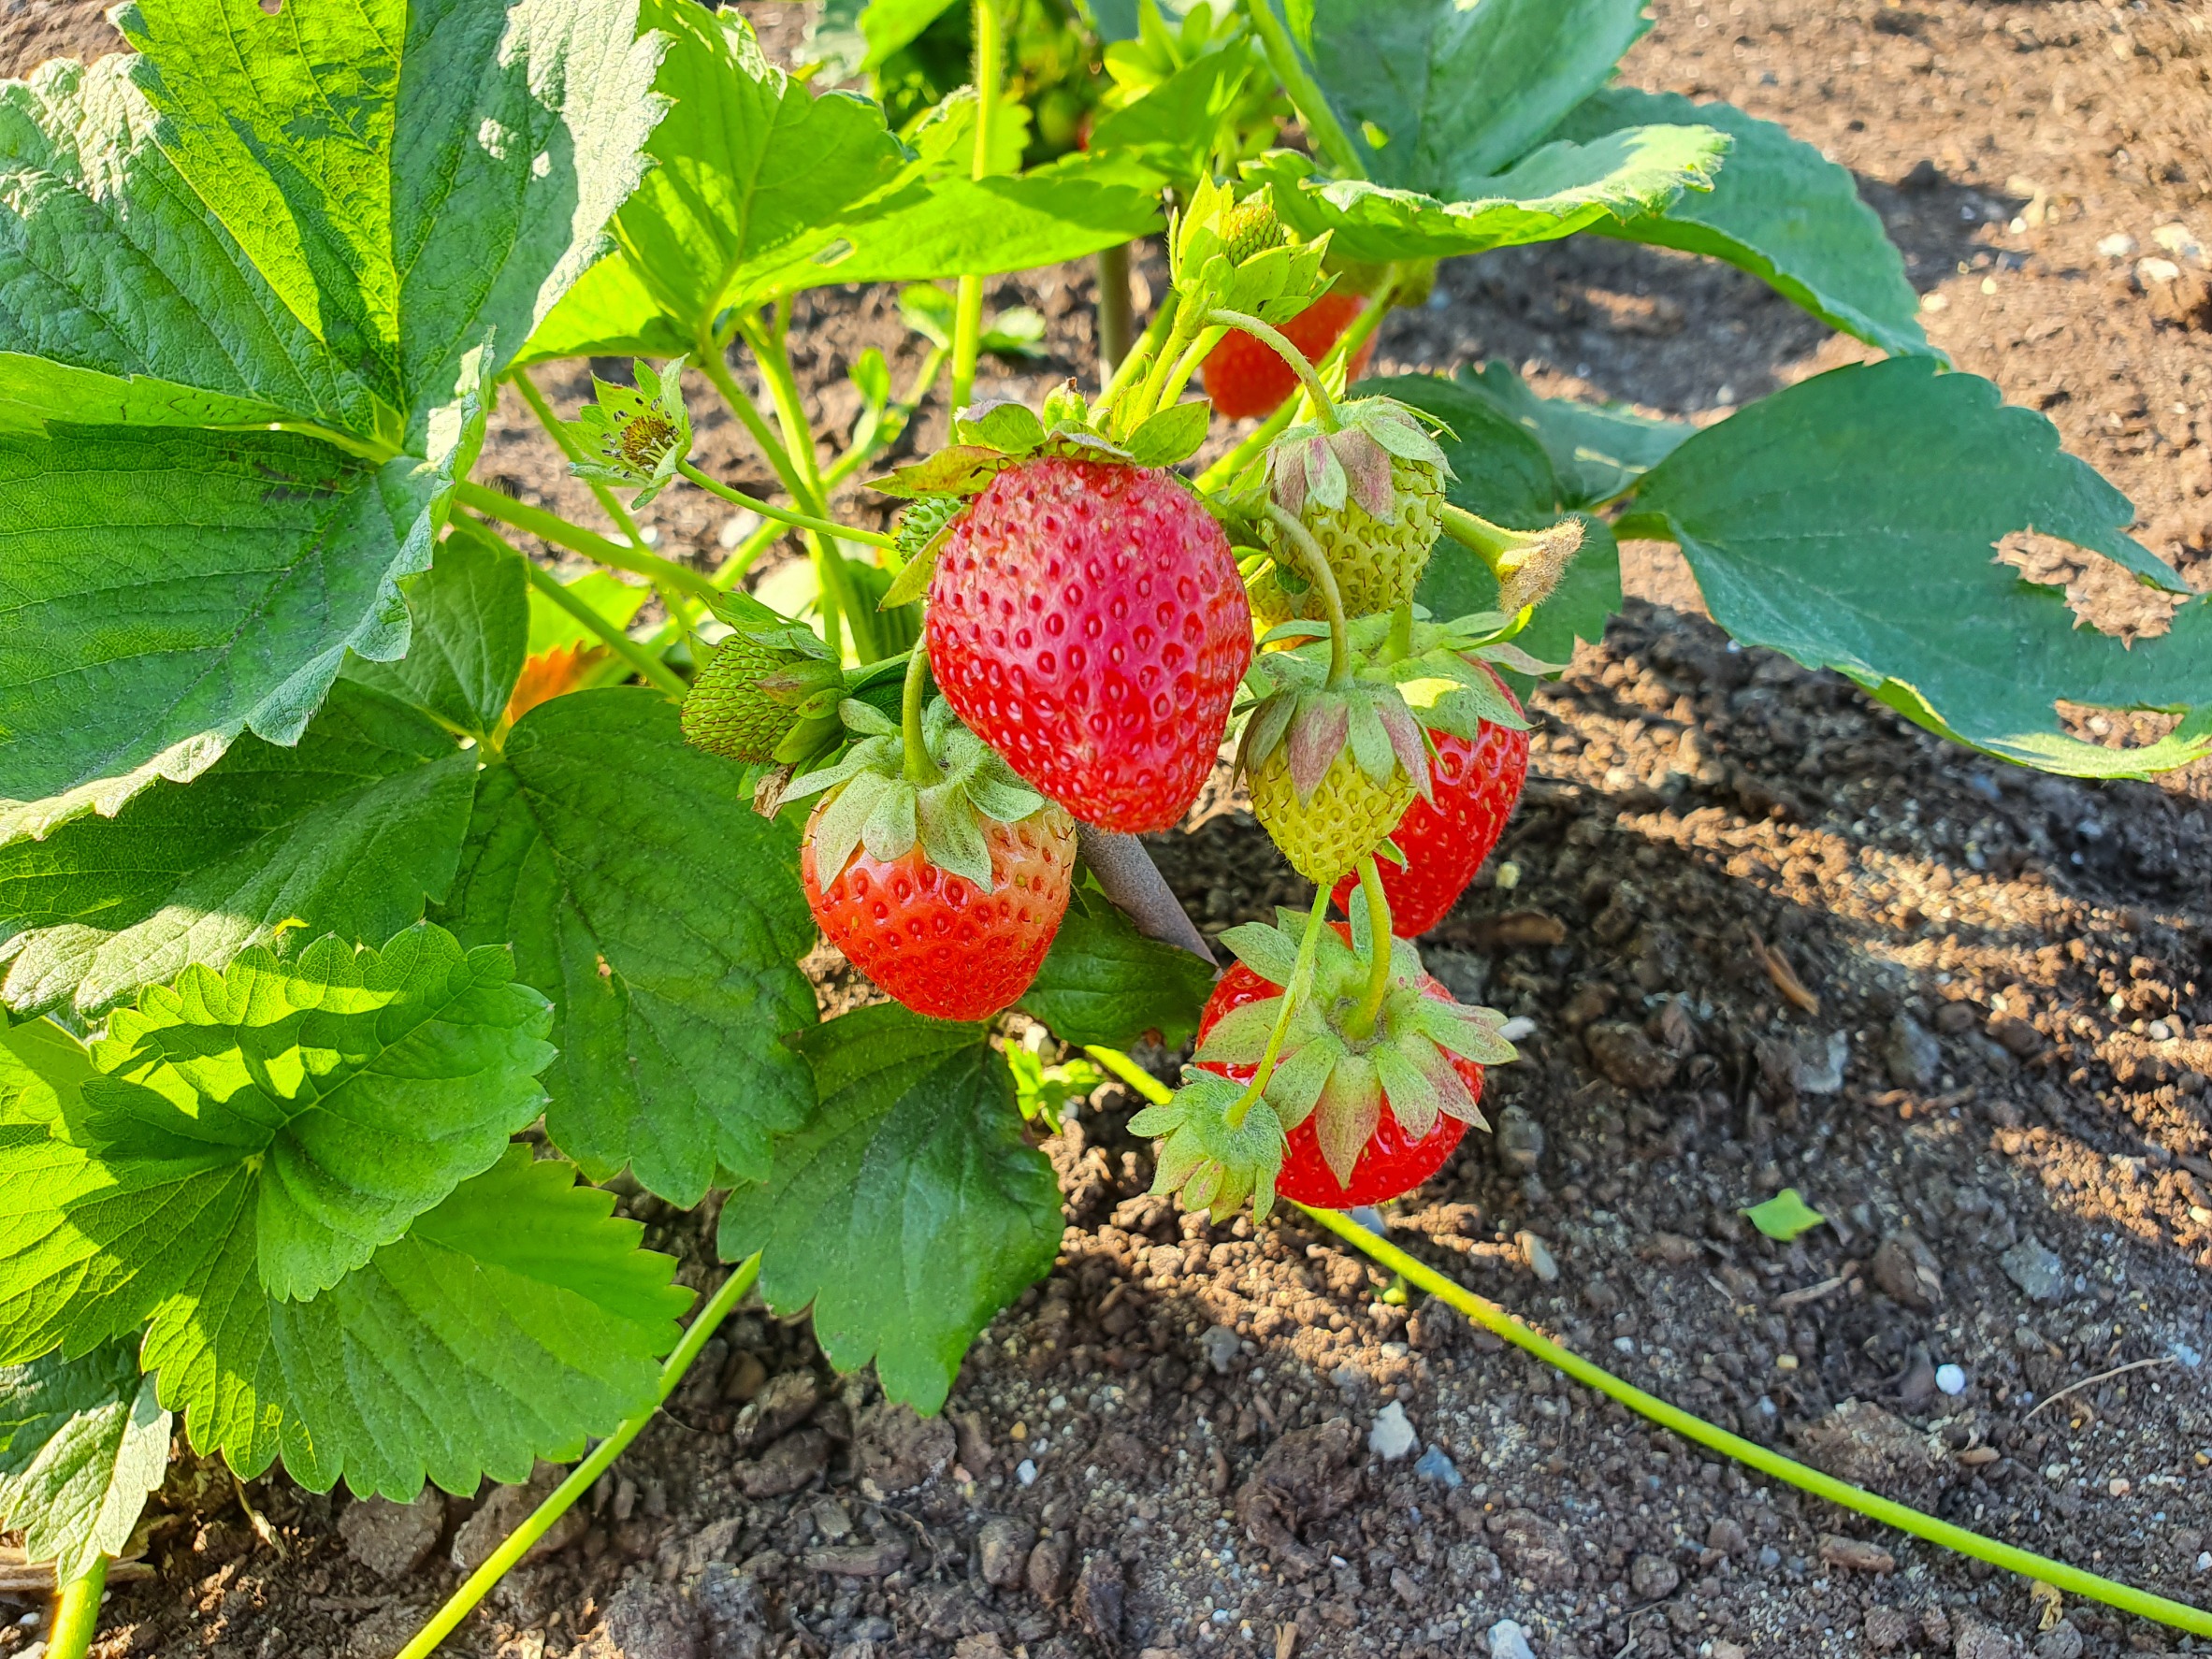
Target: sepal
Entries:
(1210, 1162)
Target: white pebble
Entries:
(1951, 1380)
(1508, 1641)
(1517, 1029)
(2119, 245)
(1393, 1436)
(2204, 1562)
(1026, 1472)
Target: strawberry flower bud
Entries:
(633, 434)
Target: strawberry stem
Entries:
(783, 515)
(1400, 643)
(1361, 1025)
(1488, 542)
(1300, 974)
(1129, 373)
(76, 1612)
(1302, 365)
(561, 533)
(1324, 579)
(1363, 328)
(967, 317)
(921, 772)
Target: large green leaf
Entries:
(1598, 450)
(408, 178)
(512, 1322)
(766, 188)
(170, 589)
(909, 1210)
(287, 1119)
(1507, 461)
(40, 1066)
(1852, 520)
(1781, 210)
(82, 1442)
(636, 883)
(469, 628)
(1560, 189)
(349, 832)
(1437, 94)
(1105, 982)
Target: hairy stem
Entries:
(1187, 365)
(1234, 462)
(1130, 1073)
(1322, 129)
(1487, 542)
(1186, 326)
(967, 315)
(561, 533)
(580, 1480)
(803, 521)
(1115, 323)
(1324, 405)
(1400, 641)
(648, 666)
(1498, 1321)
(76, 1612)
(1362, 1023)
(714, 363)
(921, 772)
(1323, 578)
(609, 504)
(1292, 994)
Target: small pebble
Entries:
(1539, 1258)
(1951, 1380)
(1393, 1436)
(1219, 1345)
(1517, 1029)
(1434, 1466)
(2204, 1562)
(1026, 1472)
(2119, 245)
(1508, 1641)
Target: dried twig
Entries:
(1785, 977)
(2074, 1388)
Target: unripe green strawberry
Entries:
(728, 711)
(1378, 562)
(1251, 227)
(1342, 821)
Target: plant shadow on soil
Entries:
(1999, 1104)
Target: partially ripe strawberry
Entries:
(1244, 377)
(1086, 619)
(1339, 822)
(1371, 493)
(1473, 787)
(937, 942)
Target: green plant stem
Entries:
(1301, 972)
(1323, 578)
(609, 504)
(1230, 465)
(1487, 542)
(1322, 129)
(76, 1612)
(1115, 323)
(1401, 633)
(647, 665)
(714, 363)
(1362, 1023)
(1273, 338)
(1128, 373)
(892, 425)
(803, 521)
(561, 533)
(1130, 1073)
(967, 315)
(921, 772)
(580, 1480)
(1498, 1321)
(1186, 328)
(1187, 365)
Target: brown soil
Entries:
(2003, 1086)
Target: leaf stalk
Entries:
(552, 527)
(1301, 974)
(76, 1612)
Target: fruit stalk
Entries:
(1348, 343)
(564, 1497)
(609, 502)
(1499, 1322)
(1273, 338)
(1362, 1023)
(1324, 579)
(967, 323)
(921, 772)
(715, 365)
(1140, 359)
(1487, 542)
(1301, 974)
(1115, 323)
(76, 1612)
(561, 533)
(1322, 127)
(783, 515)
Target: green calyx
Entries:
(1310, 467)
(1210, 1163)
(1311, 718)
(771, 693)
(1441, 670)
(1337, 1066)
(1226, 254)
(633, 434)
(873, 803)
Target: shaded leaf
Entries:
(468, 619)
(82, 1442)
(1103, 982)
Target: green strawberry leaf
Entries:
(1103, 982)
(1781, 210)
(603, 593)
(286, 1120)
(509, 1323)
(348, 832)
(1171, 435)
(765, 188)
(1560, 189)
(630, 874)
(82, 1442)
(1851, 522)
(1785, 1216)
(908, 1209)
(470, 622)
(1598, 450)
(1436, 96)
(236, 630)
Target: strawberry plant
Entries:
(373, 893)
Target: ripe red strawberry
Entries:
(1474, 787)
(1086, 619)
(936, 941)
(1245, 378)
(1392, 1162)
